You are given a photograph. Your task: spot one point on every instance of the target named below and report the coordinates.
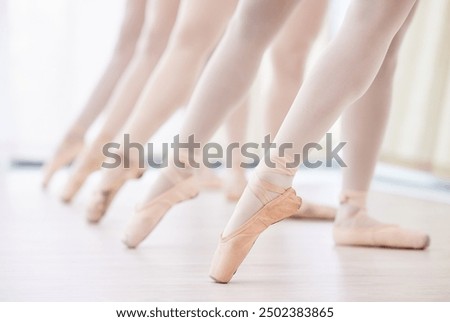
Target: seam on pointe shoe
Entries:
(285, 195)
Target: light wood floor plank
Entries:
(49, 253)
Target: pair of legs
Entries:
(160, 18)
(72, 142)
(198, 28)
(357, 77)
(199, 25)
(287, 57)
(307, 18)
(341, 76)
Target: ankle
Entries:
(346, 211)
(351, 204)
(276, 170)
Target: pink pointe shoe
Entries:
(89, 161)
(65, 154)
(148, 215)
(361, 230)
(381, 235)
(233, 249)
(104, 195)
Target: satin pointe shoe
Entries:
(361, 230)
(233, 249)
(111, 183)
(89, 161)
(149, 214)
(65, 154)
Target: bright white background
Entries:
(53, 53)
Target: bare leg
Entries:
(72, 142)
(199, 26)
(161, 15)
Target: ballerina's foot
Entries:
(99, 204)
(65, 154)
(361, 230)
(89, 161)
(70, 189)
(104, 195)
(233, 248)
(149, 214)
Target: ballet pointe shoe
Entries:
(233, 249)
(65, 154)
(148, 215)
(361, 230)
(310, 210)
(89, 161)
(103, 196)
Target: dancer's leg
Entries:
(362, 42)
(160, 18)
(288, 56)
(363, 127)
(364, 122)
(222, 86)
(342, 74)
(72, 142)
(199, 26)
(236, 130)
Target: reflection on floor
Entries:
(49, 253)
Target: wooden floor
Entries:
(49, 253)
